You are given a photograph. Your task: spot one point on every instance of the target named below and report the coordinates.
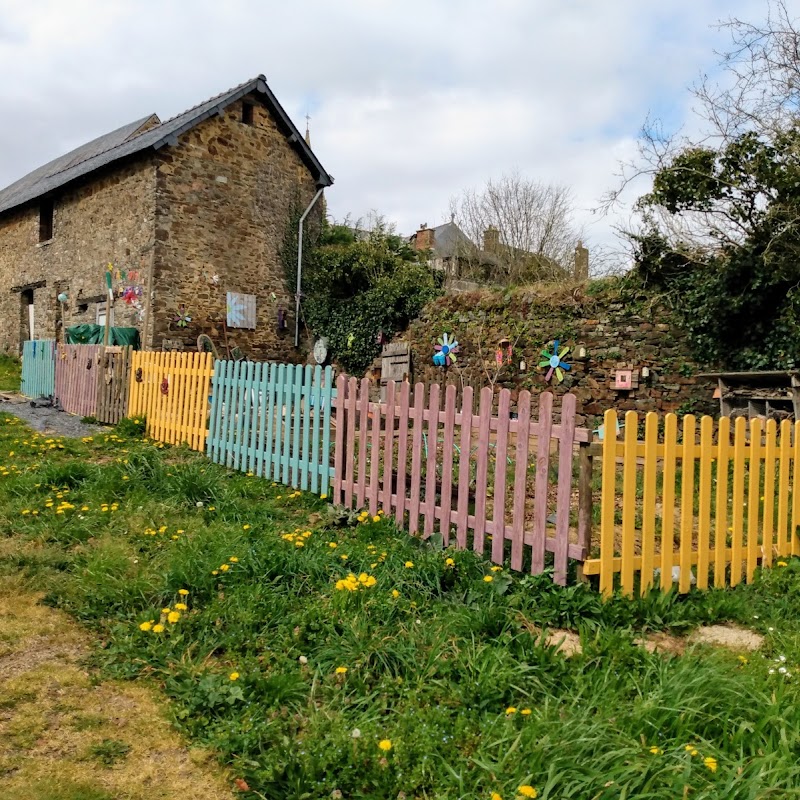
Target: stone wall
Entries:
(110, 220)
(225, 196)
(617, 332)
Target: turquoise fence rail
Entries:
(38, 368)
(273, 420)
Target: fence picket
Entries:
(373, 491)
(753, 500)
(784, 468)
(628, 502)
(482, 468)
(521, 480)
(704, 502)
(545, 427)
(721, 523)
(668, 511)
(447, 461)
(402, 452)
(739, 456)
(794, 541)
(416, 458)
(352, 398)
(770, 450)
(431, 460)
(327, 396)
(388, 449)
(649, 502)
(687, 503)
(564, 493)
(499, 493)
(464, 457)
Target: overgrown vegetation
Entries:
(720, 228)
(359, 284)
(422, 675)
(10, 373)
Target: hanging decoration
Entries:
(130, 294)
(183, 319)
(504, 353)
(446, 350)
(165, 385)
(555, 362)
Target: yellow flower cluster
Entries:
(364, 517)
(298, 538)
(709, 762)
(105, 507)
(225, 567)
(169, 615)
(352, 583)
(511, 710)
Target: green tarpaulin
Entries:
(93, 334)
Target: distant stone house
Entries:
(188, 216)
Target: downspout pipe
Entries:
(298, 292)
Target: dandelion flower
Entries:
(526, 712)
(656, 751)
(341, 670)
(527, 791)
(332, 545)
(385, 745)
(376, 518)
(409, 564)
(511, 710)
(323, 497)
(183, 592)
(233, 560)
(782, 564)
(488, 578)
(245, 527)
(166, 610)
(145, 626)
(395, 593)
(234, 676)
(215, 572)
(495, 796)
(497, 568)
(180, 607)
(449, 562)
(173, 617)
(159, 628)
(711, 763)
(224, 567)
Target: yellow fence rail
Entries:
(707, 504)
(172, 391)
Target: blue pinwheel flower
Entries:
(554, 360)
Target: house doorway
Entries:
(28, 320)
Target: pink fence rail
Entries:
(77, 367)
(483, 481)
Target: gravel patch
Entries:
(48, 420)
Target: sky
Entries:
(410, 102)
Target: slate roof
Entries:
(126, 142)
(449, 240)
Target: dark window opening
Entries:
(46, 210)
(247, 113)
(83, 308)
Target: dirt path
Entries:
(48, 419)
(66, 736)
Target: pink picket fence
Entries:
(514, 488)
(77, 368)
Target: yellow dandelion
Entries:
(332, 545)
(215, 572)
(376, 518)
(782, 564)
(711, 763)
(409, 564)
(183, 592)
(497, 569)
(341, 670)
(323, 497)
(181, 607)
(449, 562)
(166, 610)
(527, 791)
(234, 676)
(173, 617)
(488, 578)
(395, 593)
(224, 567)
(145, 626)
(385, 745)
(511, 710)
(526, 712)
(233, 560)
(245, 527)
(656, 751)
(159, 628)
(495, 796)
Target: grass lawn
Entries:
(325, 657)
(10, 373)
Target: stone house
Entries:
(188, 216)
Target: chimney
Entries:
(491, 239)
(581, 268)
(424, 238)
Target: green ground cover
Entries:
(322, 654)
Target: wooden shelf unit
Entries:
(760, 394)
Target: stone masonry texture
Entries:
(181, 228)
(617, 333)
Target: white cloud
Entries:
(411, 101)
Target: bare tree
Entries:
(522, 229)
(759, 92)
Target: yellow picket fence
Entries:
(172, 391)
(697, 500)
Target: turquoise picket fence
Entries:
(38, 368)
(273, 420)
